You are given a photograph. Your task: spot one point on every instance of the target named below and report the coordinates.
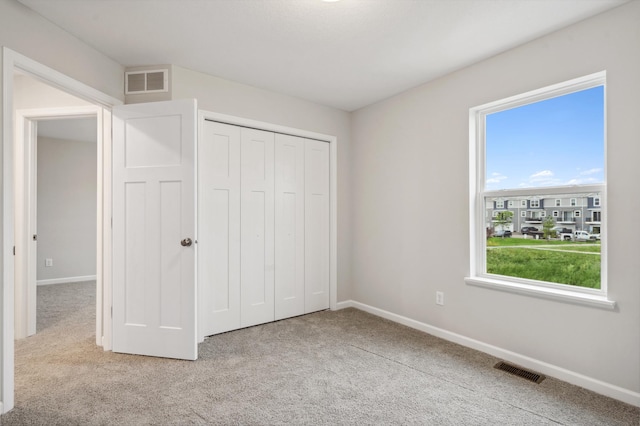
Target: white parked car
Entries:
(583, 236)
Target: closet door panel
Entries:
(316, 224)
(257, 227)
(289, 226)
(219, 228)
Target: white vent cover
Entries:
(150, 81)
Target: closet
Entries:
(263, 226)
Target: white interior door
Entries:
(218, 227)
(257, 227)
(289, 226)
(154, 289)
(316, 252)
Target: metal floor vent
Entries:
(520, 372)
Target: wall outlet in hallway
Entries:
(439, 298)
(48, 262)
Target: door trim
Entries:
(333, 183)
(25, 168)
(14, 61)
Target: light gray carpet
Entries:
(344, 367)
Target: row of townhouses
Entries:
(578, 213)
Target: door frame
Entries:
(25, 164)
(333, 187)
(12, 61)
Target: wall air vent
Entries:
(150, 81)
(520, 372)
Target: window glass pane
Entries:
(557, 245)
(555, 142)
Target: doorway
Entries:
(66, 203)
(15, 249)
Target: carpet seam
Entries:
(455, 384)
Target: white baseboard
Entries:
(560, 373)
(66, 280)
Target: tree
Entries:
(547, 227)
(502, 219)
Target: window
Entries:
(519, 148)
(510, 204)
(596, 201)
(499, 204)
(523, 203)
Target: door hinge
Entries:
(14, 250)
(35, 237)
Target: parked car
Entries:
(562, 230)
(529, 229)
(583, 236)
(565, 234)
(504, 234)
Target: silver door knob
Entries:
(186, 242)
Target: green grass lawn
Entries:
(553, 266)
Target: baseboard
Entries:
(551, 370)
(344, 305)
(66, 280)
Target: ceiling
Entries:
(345, 54)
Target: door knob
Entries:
(186, 242)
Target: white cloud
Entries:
(542, 175)
(590, 172)
(497, 178)
(582, 181)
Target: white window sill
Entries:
(561, 295)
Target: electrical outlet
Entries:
(48, 262)
(439, 298)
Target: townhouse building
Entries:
(578, 213)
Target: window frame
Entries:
(477, 196)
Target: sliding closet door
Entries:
(257, 227)
(219, 228)
(289, 231)
(316, 225)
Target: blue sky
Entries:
(558, 141)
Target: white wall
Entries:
(31, 35)
(31, 93)
(410, 204)
(67, 176)
(227, 97)
(26, 32)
